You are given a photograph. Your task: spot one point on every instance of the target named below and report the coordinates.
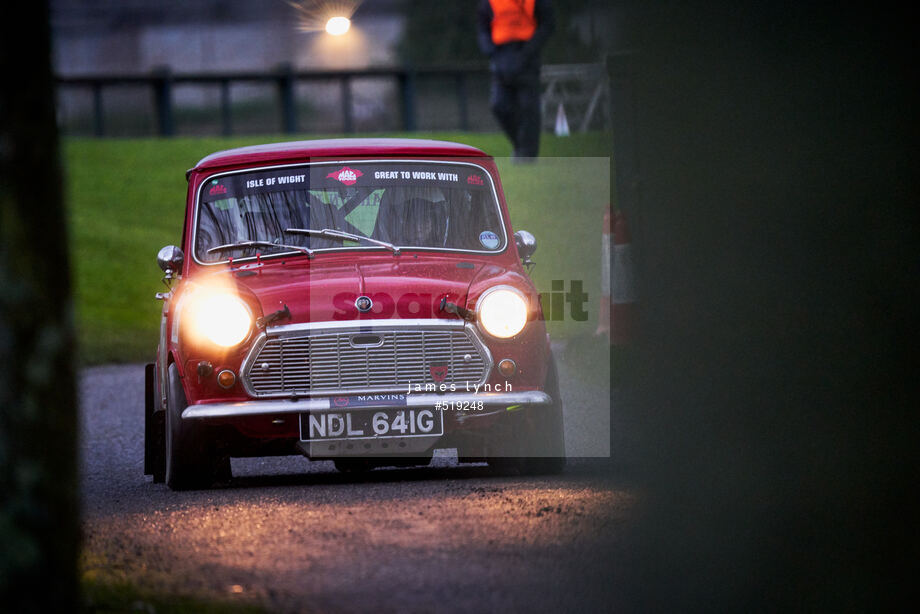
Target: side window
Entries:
(220, 223)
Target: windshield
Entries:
(405, 204)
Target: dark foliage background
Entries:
(776, 233)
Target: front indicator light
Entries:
(226, 379)
(507, 367)
(502, 312)
(222, 319)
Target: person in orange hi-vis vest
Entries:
(512, 33)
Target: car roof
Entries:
(335, 148)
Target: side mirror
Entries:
(526, 245)
(170, 259)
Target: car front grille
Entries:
(366, 359)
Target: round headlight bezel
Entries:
(481, 310)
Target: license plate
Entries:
(382, 423)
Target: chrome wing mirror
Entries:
(526, 246)
(170, 259)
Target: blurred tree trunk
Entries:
(38, 425)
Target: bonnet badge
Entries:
(364, 304)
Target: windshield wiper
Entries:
(340, 234)
(243, 244)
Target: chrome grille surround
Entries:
(322, 358)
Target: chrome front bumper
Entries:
(492, 401)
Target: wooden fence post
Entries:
(407, 89)
(226, 113)
(286, 94)
(462, 102)
(348, 119)
(98, 118)
(162, 100)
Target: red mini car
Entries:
(358, 300)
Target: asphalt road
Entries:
(293, 535)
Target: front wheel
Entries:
(536, 444)
(154, 428)
(190, 459)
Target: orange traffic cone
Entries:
(623, 308)
(603, 314)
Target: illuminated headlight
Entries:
(221, 318)
(337, 26)
(502, 312)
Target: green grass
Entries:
(115, 596)
(110, 587)
(126, 199)
(562, 201)
(123, 596)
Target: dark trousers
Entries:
(516, 105)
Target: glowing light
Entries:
(333, 16)
(221, 318)
(502, 312)
(337, 26)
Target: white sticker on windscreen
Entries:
(489, 239)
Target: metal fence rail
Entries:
(582, 90)
(161, 84)
(452, 92)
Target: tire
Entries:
(536, 444)
(191, 462)
(154, 429)
(354, 465)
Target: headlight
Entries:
(221, 318)
(502, 312)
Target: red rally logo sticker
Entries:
(346, 175)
